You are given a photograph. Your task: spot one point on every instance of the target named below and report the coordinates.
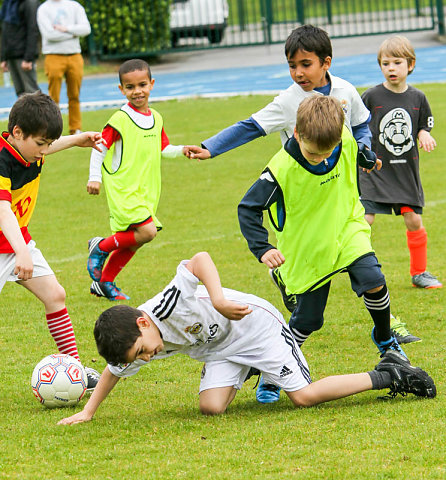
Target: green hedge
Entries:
(128, 27)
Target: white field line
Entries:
(157, 245)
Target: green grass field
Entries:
(150, 426)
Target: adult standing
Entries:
(20, 40)
(61, 24)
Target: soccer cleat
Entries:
(96, 258)
(384, 346)
(108, 290)
(405, 377)
(267, 392)
(426, 280)
(93, 377)
(290, 301)
(399, 331)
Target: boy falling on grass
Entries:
(401, 116)
(308, 51)
(231, 332)
(130, 167)
(310, 191)
(34, 128)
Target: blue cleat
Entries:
(96, 258)
(267, 392)
(391, 344)
(108, 290)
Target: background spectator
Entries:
(61, 24)
(20, 40)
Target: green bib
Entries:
(324, 229)
(131, 170)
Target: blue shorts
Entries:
(387, 208)
(365, 274)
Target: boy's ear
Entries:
(142, 322)
(327, 62)
(411, 66)
(17, 132)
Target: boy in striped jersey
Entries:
(34, 128)
(231, 332)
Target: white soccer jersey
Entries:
(280, 114)
(189, 324)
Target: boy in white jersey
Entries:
(231, 332)
(130, 167)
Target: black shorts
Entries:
(386, 208)
(365, 274)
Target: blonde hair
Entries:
(320, 120)
(399, 47)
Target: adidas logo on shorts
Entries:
(285, 371)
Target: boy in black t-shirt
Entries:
(401, 116)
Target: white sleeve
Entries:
(360, 113)
(172, 151)
(280, 114)
(126, 369)
(81, 27)
(96, 160)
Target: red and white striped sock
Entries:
(61, 329)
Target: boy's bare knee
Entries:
(146, 233)
(302, 398)
(58, 294)
(212, 409)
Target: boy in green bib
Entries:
(310, 191)
(130, 168)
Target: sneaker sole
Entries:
(405, 339)
(428, 288)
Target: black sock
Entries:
(380, 380)
(378, 305)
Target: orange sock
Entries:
(417, 243)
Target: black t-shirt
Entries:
(396, 121)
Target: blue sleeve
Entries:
(362, 133)
(250, 215)
(232, 137)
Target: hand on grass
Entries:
(79, 417)
(273, 258)
(230, 309)
(426, 141)
(94, 188)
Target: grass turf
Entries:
(150, 425)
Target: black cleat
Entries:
(93, 377)
(290, 300)
(405, 377)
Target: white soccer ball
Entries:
(59, 381)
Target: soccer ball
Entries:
(59, 381)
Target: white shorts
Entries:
(278, 358)
(7, 265)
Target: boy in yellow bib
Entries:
(130, 168)
(310, 191)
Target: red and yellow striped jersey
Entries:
(19, 184)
